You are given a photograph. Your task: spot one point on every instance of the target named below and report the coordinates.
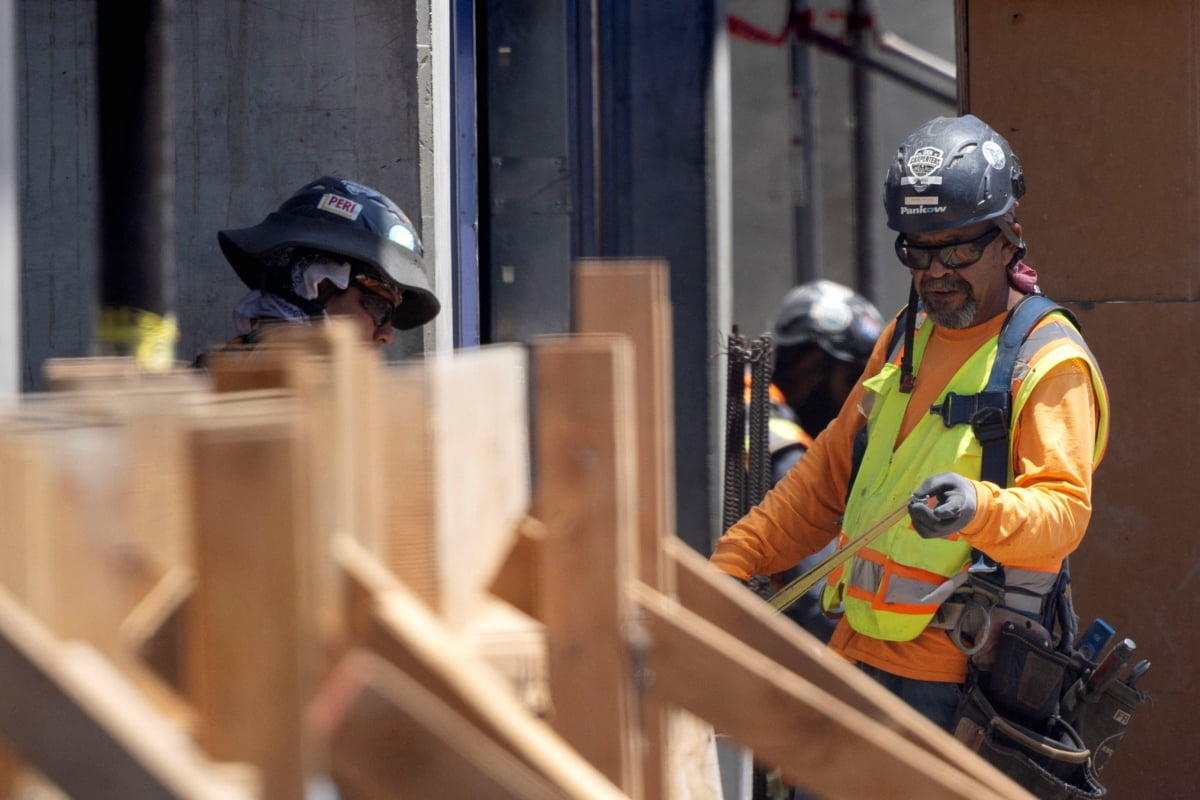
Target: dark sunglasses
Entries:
(378, 307)
(953, 255)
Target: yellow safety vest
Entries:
(885, 590)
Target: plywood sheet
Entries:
(1099, 100)
(1137, 566)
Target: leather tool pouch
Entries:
(1052, 763)
(1008, 715)
(1028, 674)
(1102, 721)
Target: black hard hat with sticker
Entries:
(839, 320)
(347, 219)
(951, 172)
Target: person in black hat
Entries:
(334, 248)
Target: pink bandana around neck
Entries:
(1023, 277)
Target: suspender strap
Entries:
(989, 413)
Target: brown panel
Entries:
(1137, 567)
(1098, 99)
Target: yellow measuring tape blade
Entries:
(785, 597)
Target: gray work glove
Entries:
(955, 507)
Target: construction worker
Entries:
(950, 193)
(335, 247)
(823, 335)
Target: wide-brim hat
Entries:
(347, 219)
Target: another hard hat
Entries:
(951, 172)
(842, 322)
(347, 219)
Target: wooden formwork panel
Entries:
(1137, 566)
(1099, 99)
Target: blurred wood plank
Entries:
(391, 621)
(456, 457)
(739, 614)
(632, 297)
(390, 737)
(814, 738)
(70, 714)
(518, 578)
(250, 644)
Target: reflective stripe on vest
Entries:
(785, 433)
(893, 589)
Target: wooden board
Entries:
(632, 297)
(456, 463)
(586, 497)
(390, 737)
(815, 739)
(737, 613)
(67, 712)
(1111, 165)
(391, 621)
(250, 644)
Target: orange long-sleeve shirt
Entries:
(1040, 518)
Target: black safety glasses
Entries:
(952, 255)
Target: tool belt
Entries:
(1025, 707)
(1051, 760)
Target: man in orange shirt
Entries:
(950, 193)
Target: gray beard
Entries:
(954, 319)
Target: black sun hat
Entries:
(347, 219)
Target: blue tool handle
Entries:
(1094, 639)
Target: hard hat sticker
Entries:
(830, 315)
(402, 236)
(922, 164)
(342, 206)
(994, 154)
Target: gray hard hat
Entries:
(347, 219)
(951, 172)
(842, 322)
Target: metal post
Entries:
(137, 181)
(806, 228)
(858, 27)
(10, 255)
(464, 155)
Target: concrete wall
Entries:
(763, 228)
(267, 98)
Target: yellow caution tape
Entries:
(149, 338)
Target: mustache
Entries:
(943, 284)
